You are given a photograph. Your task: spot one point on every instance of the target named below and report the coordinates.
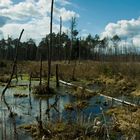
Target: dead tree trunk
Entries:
(59, 57)
(40, 83)
(16, 73)
(50, 47)
(30, 81)
(79, 53)
(71, 46)
(30, 85)
(48, 109)
(40, 115)
(14, 66)
(6, 87)
(73, 34)
(57, 79)
(73, 71)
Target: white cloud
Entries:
(64, 2)
(36, 29)
(65, 14)
(127, 30)
(136, 40)
(5, 3)
(33, 16)
(26, 9)
(20, 11)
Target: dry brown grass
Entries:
(127, 120)
(87, 70)
(118, 77)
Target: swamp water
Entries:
(27, 109)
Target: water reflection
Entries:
(27, 110)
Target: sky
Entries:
(104, 17)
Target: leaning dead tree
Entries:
(50, 47)
(8, 84)
(14, 66)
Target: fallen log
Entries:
(108, 97)
(66, 83)
(119, 100)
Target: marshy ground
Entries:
(72, 112)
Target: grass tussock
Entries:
(65, 131)
(20, 95)
(43, 90)
(80, 105)
(136, 93)
(116, 86)
(83, 93)
(127, 121)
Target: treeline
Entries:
(67, 48)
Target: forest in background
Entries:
(88, 48)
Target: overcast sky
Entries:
(103, 17)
